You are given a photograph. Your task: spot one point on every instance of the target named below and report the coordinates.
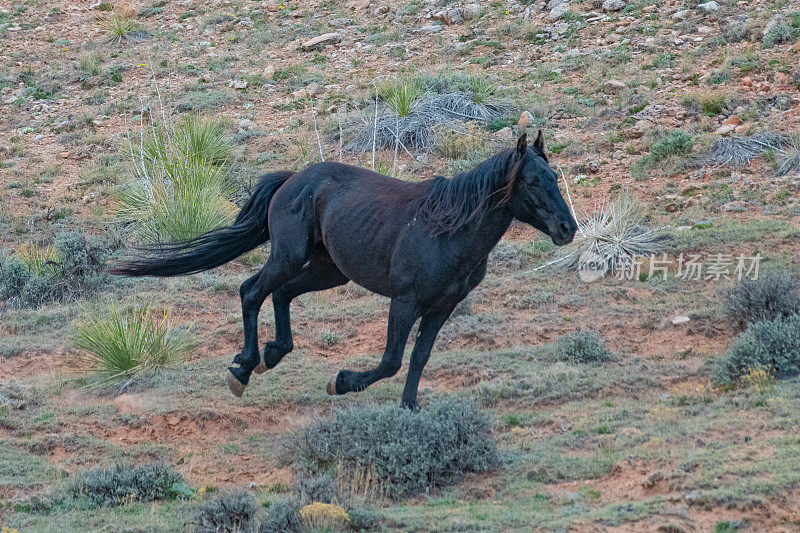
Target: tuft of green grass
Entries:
(182, 189)
(400, 94)
(120, 27)
(482, 87)
(118, 345)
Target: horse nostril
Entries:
(565, 228)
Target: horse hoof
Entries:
(331, 388)
(235, 385)
(261, 368)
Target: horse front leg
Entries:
(403, 313)
(428, 330)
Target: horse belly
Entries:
(362, 251)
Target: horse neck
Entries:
(486, 231)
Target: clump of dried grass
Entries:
(615, 232)
(414, 129)
(742, 150)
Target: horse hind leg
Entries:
(280, 268)
(318, 275)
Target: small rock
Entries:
(321, 41)
(681, 15)
(246, 124)
(736, 205)
(747, 81)
(269, 71)
(709, 7)
(678, 320)
(614, 86)
(431, 28)
(559, 10)
(238, 84)
(725, 129)
(525, 119)
(613, 5)
(505, 134)
(653, 478)
(671, 208)
(733, 119)
(692, 497)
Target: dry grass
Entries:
(616, 232)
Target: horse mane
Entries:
(453, 203)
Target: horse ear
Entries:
(539, 142)
(522, 144)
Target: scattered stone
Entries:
(613, 5)
(525, 119)
(238, 84)
(733, 119)
(709, 7)
(678, 320)
(269, 71)
(321, 41)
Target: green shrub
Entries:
(675, 143)
(408, 451)
(772, 295)
(581, 347)
(124, 483)
(779, 33)
(181, 189)
(282, 516)
(768, 344)
(119, 345)
(400, 94)
(227, 512)
(73, 266)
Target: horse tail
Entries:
(213, 248)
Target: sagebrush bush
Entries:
(124, 483)
(768, 344)
(282, 516)
(772, 295)
(119, 344)
(227, 512)
(72, 267)
(581, 347)
(675, 143)
(778, 34)
(408, 451)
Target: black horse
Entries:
(424, 245)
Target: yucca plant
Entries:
(120, 345)
(181, 190)
(482, 87)
(119, 27)
(41, 262)
(616, 233)
(400, 94)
